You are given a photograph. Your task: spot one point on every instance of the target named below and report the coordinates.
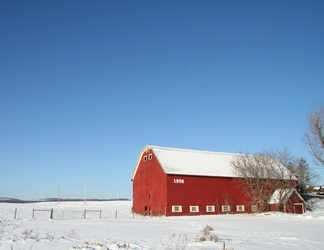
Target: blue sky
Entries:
(85, 85)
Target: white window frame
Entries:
(194, 209)
(210, 209)
(226, 208)
(150, 157)
(176, 209)
(145, 158)
(240, 208)
(253, 208)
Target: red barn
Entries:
(169, 181)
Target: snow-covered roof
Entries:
(317, 188)
(279, 194)
(196, 162)
(282, 195)
(191, 162)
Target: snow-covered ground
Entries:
(118, 228)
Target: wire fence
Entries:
(62, 214)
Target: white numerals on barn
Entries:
(178, 181)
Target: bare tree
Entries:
(263, 173)
(300, 168)
(227, 199)
(314, 135)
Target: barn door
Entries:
(298, 208)
(147, 210)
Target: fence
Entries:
(42, 210)
(61, 214)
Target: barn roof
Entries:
(190, 162)
(282, 195)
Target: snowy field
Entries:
(118, 228)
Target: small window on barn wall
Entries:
(240, 208)
(254, 208)
(210, 209)
(194, 209)
(145, 158)
(150, 157)
(176, 209)
(226, 208)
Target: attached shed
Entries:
(290, 201)
(171, 181)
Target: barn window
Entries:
(150, 157)
(226, 208)
(240, 208)
(144, 158)
(176, 209)
(210, 209)
(254, 208)
(194, 209)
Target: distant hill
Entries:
(10, 200)
(67, 199)
(13, 200)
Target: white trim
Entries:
(210, 209)
(194, 209)
(254, 208)
(176, 209)
(240, 208)
(226, 208)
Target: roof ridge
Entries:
(190, 150)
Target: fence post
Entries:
(100, 214)
(33, 213)
(116, 215)
(51, 216)
(15, 213)
(85, 211)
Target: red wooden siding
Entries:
(204, 191)
(149, 187)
